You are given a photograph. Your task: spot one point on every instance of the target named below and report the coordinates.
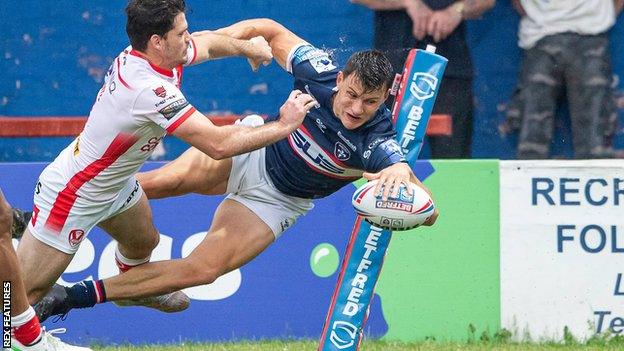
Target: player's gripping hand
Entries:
(260, 53)
(293, 111)
(390, 180)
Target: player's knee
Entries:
(149, 244)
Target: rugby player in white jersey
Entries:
(348, 133)
(92, 181)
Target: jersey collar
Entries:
(163, 71)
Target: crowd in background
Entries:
(566, 60)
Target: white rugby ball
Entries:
(400, 213)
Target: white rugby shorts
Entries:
(250, 185)
(62, 219)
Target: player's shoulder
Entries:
(306, 58)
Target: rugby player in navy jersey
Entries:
(348, 135)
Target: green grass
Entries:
(599, 343)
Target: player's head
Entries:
(363, 86)
(159, 26)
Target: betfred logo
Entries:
(423, 85)
(76, 236)
(160, 92)
(394, 205)
(343, 334)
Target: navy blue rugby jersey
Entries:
(322, 156)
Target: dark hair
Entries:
(149, 17)
(372, 68)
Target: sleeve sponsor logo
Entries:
(160, 92)
(173, 108)
(391, 146)
(322, 63)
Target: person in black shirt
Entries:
(401, 25)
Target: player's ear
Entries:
(156, 41)
(339, 78)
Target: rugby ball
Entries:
(400, 213)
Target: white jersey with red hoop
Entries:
(136, 107)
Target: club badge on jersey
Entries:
(367, 245)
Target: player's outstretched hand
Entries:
(390, 179)
(293, 111)
(260, 53)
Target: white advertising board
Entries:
(562, 248)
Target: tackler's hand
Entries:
(260, 53)
(390, 179)
(294, 110)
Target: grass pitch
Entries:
(597, 344)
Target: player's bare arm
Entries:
(280, 38)
(221, 142)
(212, 45)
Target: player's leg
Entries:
(192, 172)
(26, 333)
(236, 236)
(136, 237)
(590, 96)
(541, 86)
(41, 264)
(27, 330)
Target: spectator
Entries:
(401, 25)
(566, 52)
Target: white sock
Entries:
(22, 318)
(131, 262)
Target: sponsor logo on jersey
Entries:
(308, 52)
(173, 108)
(165, 100)
(391, 146)
(319, 159)
(322, 64)
(341, 152)
(320, 125)
(347, 141)
(75, 237)
(376, 142)
(160, 92)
